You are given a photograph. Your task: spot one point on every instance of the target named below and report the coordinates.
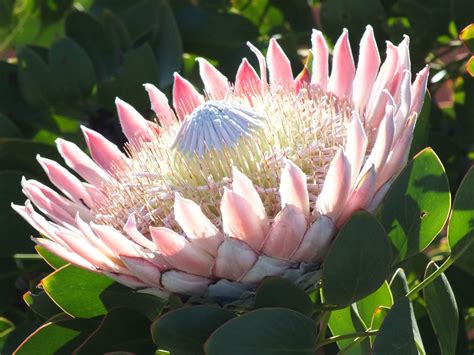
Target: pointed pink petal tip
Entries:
(185, 97)
(279, 66)
(215, 83)
(133, 124)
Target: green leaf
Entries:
(121, 330)
(169, 50)
(467, 36)
(378, 318)
(41, 304)
(417, 205)
(34, 79)
(267, 331)
(185, 330)
(139, 67)
(61, 336)
(399, 332)
(8, 128)
(367, 306)
(52, 259)
(347, 321)
(15, 231)
(460, 228)
(81, 293)
(422, 129)
(90, 34)
(20, 155)
(355, 15)
(399, 284)
(213, 35)
(72, 70)
(278, 292)
(6, 12)
(117, 32)
(6, 327)
(358, 261)
(12, 340)
(442, 310)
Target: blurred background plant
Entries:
(64, 61)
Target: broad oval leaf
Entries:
(442, 310)
(71, 69)
(51, 259)
(417, 205)
(90, 34)
(399, 284)
(185, 330)
(41, 304)
(358, 262)
(278, 292)
(399, 331)
(367, 306)
(461, 224)
(84, 294)
(8, 128)
(347, 321)
(57, 337)
(121, 330)
(266, 331)
(34, 79)
(15, 231)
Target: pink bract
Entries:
(247, 180)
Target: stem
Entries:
(323, 324)
(351, 345)
(414, 291)
(333, 339)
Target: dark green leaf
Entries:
(278, 292)
(358, 261)
(461, 224)
(420, 135)
(140, 17)
(399, 284)
(347, 321)
(15, 338)
(61, 336)
(442, 309)
(121, 330)
(90, 34)
(6, 327)
(6, 11)
(85, 294)
(417, 205)
(8, 128)
(397, 334)
(53, 10)
(355, 15)
(20, 155)
(169, 50)
(185, 330)
(15, 231)
(72, 71)
(34, 78)
(41, 304)
(368, 305)
(139, 67)
(116, 32)
(267, 331)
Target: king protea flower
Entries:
(247, 180)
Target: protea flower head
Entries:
(247, 180)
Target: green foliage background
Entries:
(64, 61)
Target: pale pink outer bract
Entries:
(250, 245)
